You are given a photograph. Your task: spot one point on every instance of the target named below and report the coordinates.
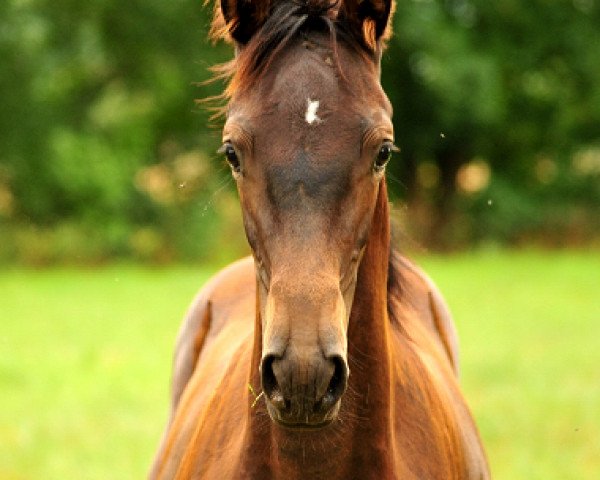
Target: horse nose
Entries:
(303, 390)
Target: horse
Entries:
(325, 354)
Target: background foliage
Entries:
(104, 153)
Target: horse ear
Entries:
(242, 18)
(369, 19)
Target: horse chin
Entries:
(309, 422)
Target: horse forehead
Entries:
(305, 86)
(319, 136)
(302, 72)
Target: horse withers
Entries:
(326, 354)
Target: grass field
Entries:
(85, 359)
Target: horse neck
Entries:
(368, 404)
(365, 418)
(369, 309)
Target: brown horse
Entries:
(326, 355)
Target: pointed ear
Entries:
(369, 19)
(242, 18)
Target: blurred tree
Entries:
(516, 84)
(94, 93)
(497, 112)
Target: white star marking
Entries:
(311, 112)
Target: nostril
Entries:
(269, 382)
(270, 385)
(337, 384)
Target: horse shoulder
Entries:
(227, 297)
(226, 300)
(422, 295)
(434, 340)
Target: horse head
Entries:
(308, 134)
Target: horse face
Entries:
(308, 150)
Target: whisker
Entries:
(396, 181)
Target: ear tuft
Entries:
(369, 19)
(239, 19)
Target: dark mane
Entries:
(289, 20)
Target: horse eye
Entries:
(231, 156)
(383, 156)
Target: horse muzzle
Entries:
(303, 391)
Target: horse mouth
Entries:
(302, 420)
(303, 425)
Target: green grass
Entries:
(84, 369)
(85, 363)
